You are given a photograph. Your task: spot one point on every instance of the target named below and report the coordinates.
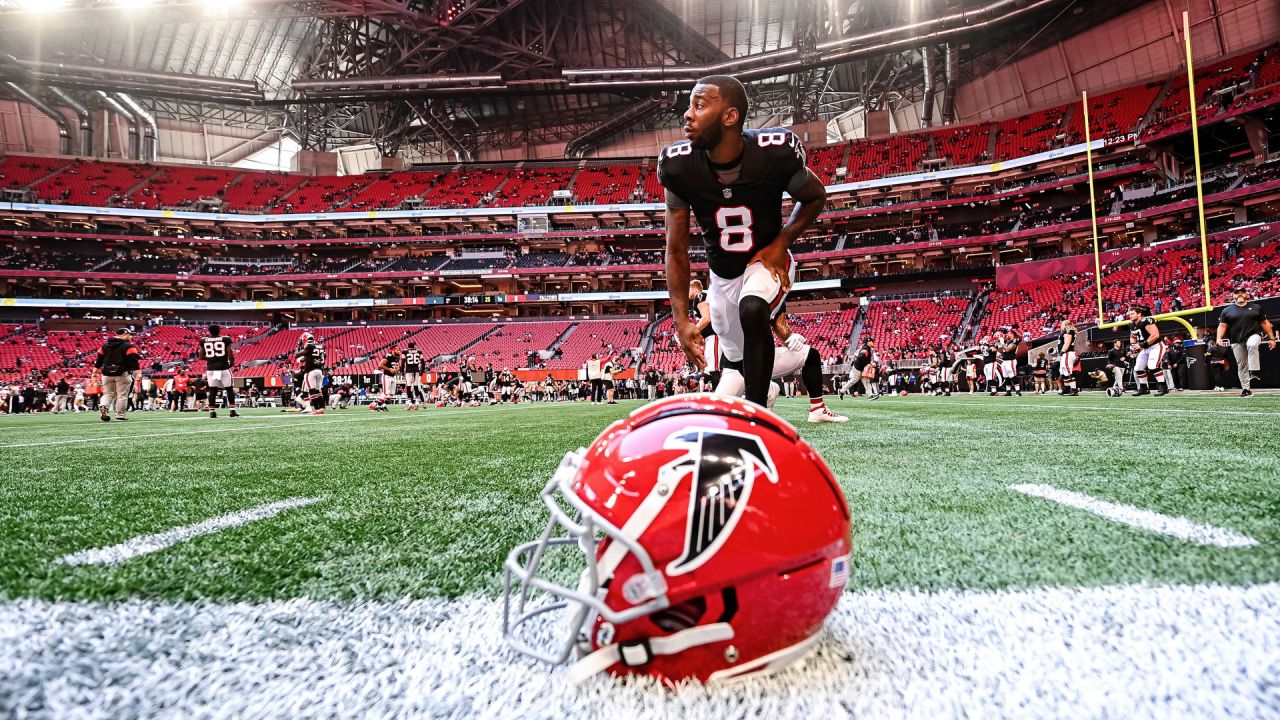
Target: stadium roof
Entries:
(468, 74)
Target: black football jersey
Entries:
(1067, 342)
(1042, 365)
(741, 217)
(697, 314)
(216, 352)
(988, 352)
(1009, 350)
(413, 361)
(1138, 330)
(392, 360)
(312, 356)
(863, 358)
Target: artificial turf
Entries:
(427, 504)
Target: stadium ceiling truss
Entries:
(461, 75)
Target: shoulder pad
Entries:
(674, 157)
(777, 142)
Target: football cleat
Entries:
(824, 415)
(1246, 393)
(235, 414)
(713, 543)
(1161, 391)
(213, 413)
(874, 396)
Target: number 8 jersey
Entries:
(739, 207)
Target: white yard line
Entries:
(145, 544)
(1125, 652)
(1177, 527)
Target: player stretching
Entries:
(1145, 334)
(311, 362)
(216, 351)
(411, 367)
(389, 368)
(733, 179)
(858, 371)
(795, 355)
(1067, 361)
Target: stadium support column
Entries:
(64, 133)
(952, 73)
(82, 113)
(926, 113)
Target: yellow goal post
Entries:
(1181, 315)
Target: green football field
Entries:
(1020, 557)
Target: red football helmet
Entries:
(715, 540)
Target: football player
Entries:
(700, 307)
(990, 368)
(733, 179)
(946, 369)
(858, 370)
(1145, 335)
(390, 367)
(929, 384)
(411, 367)
(1040, 374)
(1009, 363)
(311, 363)
(1067, 360)
(794, 356)
(216, 351)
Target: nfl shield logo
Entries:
(728, 193)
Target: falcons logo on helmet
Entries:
(724, 465)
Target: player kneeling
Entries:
(795, 355)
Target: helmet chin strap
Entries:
(636, 653)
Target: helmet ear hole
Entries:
(680, 617)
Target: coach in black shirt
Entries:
(1245, 323)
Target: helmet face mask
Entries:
(586, 530)
(711, 542)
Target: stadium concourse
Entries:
(421, 255)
